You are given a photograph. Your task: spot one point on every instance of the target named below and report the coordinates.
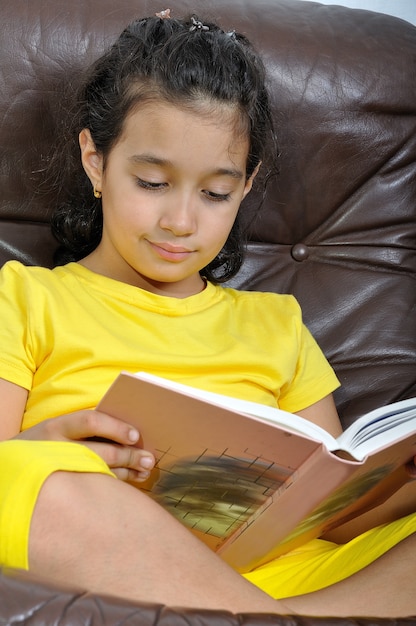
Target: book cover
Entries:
(250, 489)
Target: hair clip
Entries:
(197, 25)
(231, 34)
(164, 15)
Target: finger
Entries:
(127, 457)
(130, 475)
(411, 469)
(85, 424)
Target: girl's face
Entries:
(171, 189)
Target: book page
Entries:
(379, 428)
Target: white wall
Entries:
(406, 9)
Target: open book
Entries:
(253, 481)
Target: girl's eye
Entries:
(210, 195)
(217, 197)
(145, 184)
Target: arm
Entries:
(402, 502)
(324, 414)
(12, 406)
(126, 460)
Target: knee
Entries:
(67, 517)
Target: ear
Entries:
(249, 181)
(92, 160)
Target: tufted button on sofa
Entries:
(337, 227)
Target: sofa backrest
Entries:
(337, 227)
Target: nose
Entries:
(179, 215)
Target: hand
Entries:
(112, 439)
(411, 469)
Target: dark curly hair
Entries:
(158, 59)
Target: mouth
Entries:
(170, 252)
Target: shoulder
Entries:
(15, 271)
(14, 274)
(22, 282)
(264, 303)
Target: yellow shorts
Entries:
(320, 563)
(24, 467)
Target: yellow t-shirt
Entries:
(66, 334)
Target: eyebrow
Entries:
(154, 160)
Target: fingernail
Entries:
(133, 435)
(146, 462)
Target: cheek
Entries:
(124, 209)
(232, 215)
(221, 226)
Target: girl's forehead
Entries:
(206, 110)
(183, 139)
(197, 118)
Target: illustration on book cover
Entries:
(215, 494)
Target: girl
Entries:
(173, 124)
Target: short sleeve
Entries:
(16, 360)
(313, 377)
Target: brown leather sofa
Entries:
(337, 227)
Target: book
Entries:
(253, 481)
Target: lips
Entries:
(170, 252)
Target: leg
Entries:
(386, 588)
(110, 538)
